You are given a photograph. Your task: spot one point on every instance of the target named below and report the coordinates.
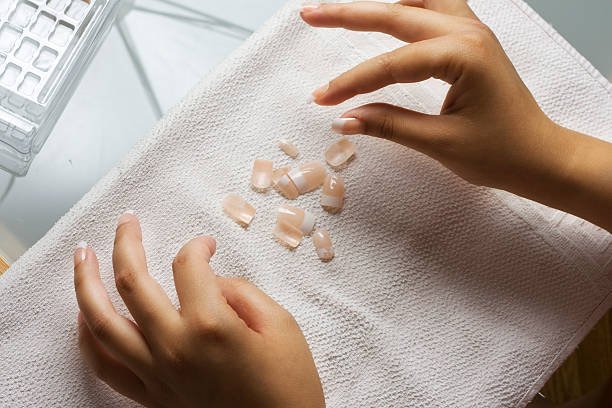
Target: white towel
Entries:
(441, 294)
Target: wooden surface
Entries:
(3, 265)
(588, 368)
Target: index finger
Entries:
(143, 296)
(403, 22)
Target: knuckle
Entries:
(386, 127)
(180, 260)
(208, 328)
(386, 63)
(100, 327)
(478, 39)
(394, 10)
(125, 280)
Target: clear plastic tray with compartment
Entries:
(45, 47)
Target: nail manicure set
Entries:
(45, 48)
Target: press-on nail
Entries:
(308, 177)
(323, 244)
(340, 152)
(332, 193)
(317, 93)
(289, 148)
(288, 234)
(277, 174)
(347, 126)
(297, 217)
(306, 7)
(287, 188)
(125, 217)
(238, 209)
(261, 179)
(80, 254)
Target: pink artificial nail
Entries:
(308, 177)
(238, 209)
(80, 254)
(288, 234)
(339, 152)
(323, 245)
(125, 217)
(297, 217)
(347, 126)
(317, 93)
(307, 7)
(261, 177)
(332, 194)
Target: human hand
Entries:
(490, 130)
(229, 344)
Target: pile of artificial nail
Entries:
(294, 223)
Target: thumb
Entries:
(259, 311)
(416, 130)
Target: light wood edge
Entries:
(3, 265)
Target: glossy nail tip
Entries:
(261, 178)
(308, 177)
(287, 234)
(332, 193)
(297, 217)
(238, 209)
(323, 245)
(340, 152)
(347, 126)
(288, 148)
(287, 188)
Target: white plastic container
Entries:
(45, 47)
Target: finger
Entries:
(118, 335)
(411, 3)
(458, 8)
(406, 23)
(195, 282)
(145, 299)
(253, 306)
(108, 369)
(410, 63)
(419, 131)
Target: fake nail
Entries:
(238, 209)
(277, 174)
(308, 177)
(289, 148)
(340, 152)
(261, 179)
(332, 193)
(323, 245)
(286, 187)
(297, 217)
(288, 234)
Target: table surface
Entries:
(110, 112)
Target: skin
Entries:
(229, 344)
(490, 130)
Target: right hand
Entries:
(490, 130)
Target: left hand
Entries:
(229, 344)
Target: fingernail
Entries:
(125, 217)
(80, 253)
(332, 193)
(317, 93)
(340, 152)
(261, 177)
(347, 126)
(238, 209)
(323, 245)
(309, 6)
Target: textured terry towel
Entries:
(441, 294)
